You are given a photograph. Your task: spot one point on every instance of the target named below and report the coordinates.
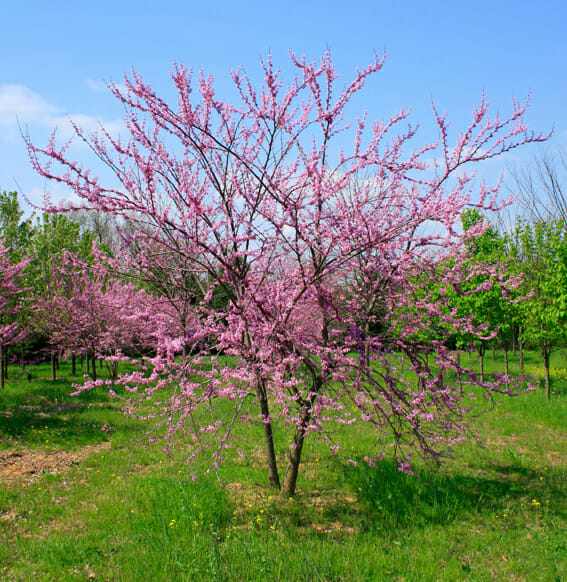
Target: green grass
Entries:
(498, 511)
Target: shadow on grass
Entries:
(389, 500)
(43, 412)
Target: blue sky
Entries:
(56, 56)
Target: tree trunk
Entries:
(53, 367)
(2, 379)
(481, 351)
(521, 349)
(273, 476)
(5, 364)
(73, 365)
(546, 366)
(93, 366)
(290, 479)
(506, 366)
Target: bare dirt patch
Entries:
(24, 467)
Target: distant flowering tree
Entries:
(321, 253)
(10, 304)
(88, 311)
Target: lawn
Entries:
(82, 498)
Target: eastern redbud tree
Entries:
(332, 241)
(87, 310)
(11, 294)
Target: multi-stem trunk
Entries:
(296, 448)
(273, 476)
(292, 471)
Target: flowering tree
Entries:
(87, 311)
(10, 306)
(317, 249)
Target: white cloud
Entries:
(102, 86)
(96, 85)
(20, 104)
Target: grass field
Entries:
(80, 499)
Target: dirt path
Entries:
(24, 467)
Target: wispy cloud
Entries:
(102, 86)
(96, 85)
(21, 105)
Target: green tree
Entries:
(13, 229)
(541, 249)
(492, 309)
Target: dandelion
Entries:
(172, 523)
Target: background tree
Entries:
(52, 236)
(10, 305)
(13, 228)
(490, 275)
(258, 197)
(542, 253)
(87, 311)
(540, 186)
